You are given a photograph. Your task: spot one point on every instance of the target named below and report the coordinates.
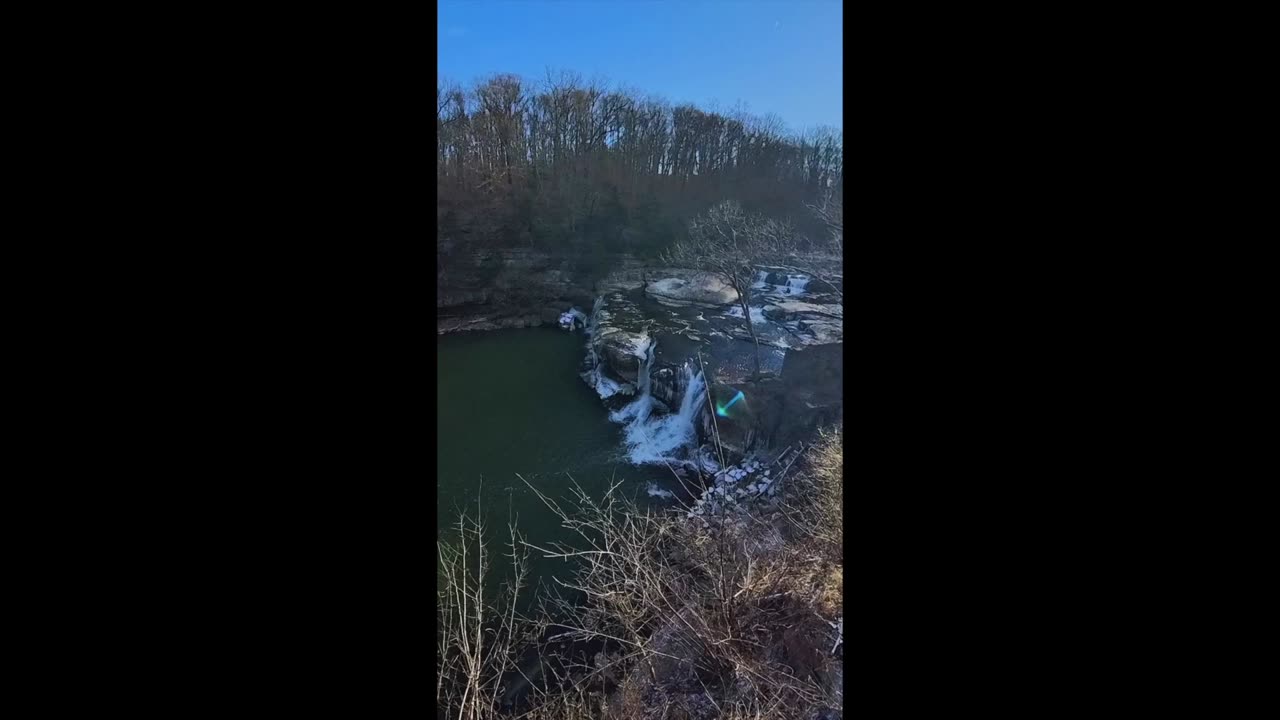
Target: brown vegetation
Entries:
(731, 618)
(574, 165)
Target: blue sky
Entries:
(782, 58)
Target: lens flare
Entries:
(724, 411)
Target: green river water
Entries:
(511, 401)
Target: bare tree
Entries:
(731, 244)
(572, 162)
(825, 263)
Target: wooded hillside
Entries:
(574, 166)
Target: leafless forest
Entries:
(575, 166)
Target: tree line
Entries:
(565, 164)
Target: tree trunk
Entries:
(744, 300)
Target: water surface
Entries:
(511, 401)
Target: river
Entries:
(511, 401)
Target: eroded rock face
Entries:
(815, 378)
(820, 366)
(497, 289)
(624, 352)
(487, 322)
(702, 289)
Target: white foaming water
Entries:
(757, 314)
(605, 387)
(649, 439)
(642, 406)
(594, 320)
(656, 440)
(797, 283)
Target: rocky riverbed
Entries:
(668, 352)
(664, 347)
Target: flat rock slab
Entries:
(792, 309)
(703, 289)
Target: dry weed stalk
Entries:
(730, 619)
(478, 637)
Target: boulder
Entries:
(703, 289)
(624, 352)
(824, 333)
(605, 287)
(663, 385)
(816, 373)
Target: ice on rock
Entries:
(655, 491)
(605, 387)
(572, 319)
(654, 439)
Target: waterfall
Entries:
(649, 439)
(594, 321)
(796, 284)
(657, 440)
(638, 411)
(604, 387)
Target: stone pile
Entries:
(735, 486)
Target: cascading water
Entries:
(766, 282)
(604, 387)
(658, 439)
(642, 406)
(594, 320)
(650, 438)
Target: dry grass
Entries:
(731, 619)
(816, 504)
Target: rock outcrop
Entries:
(510, 288)
(623, 351)
(687, 289)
